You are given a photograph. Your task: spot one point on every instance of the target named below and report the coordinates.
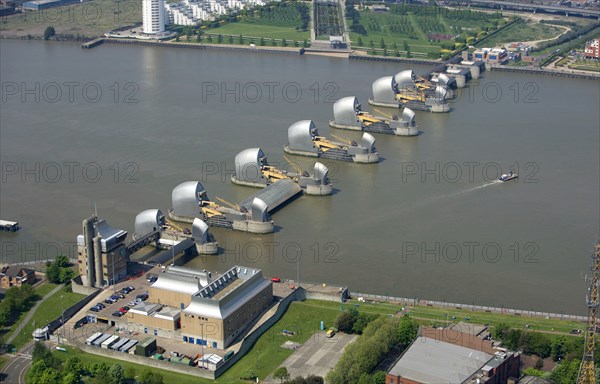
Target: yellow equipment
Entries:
(232, 205)
(324, 144)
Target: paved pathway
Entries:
(31, 313)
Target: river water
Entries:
(122, 125)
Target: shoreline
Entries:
(342, 54)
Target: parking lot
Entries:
(122, 325)
(317, 355)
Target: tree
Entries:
(281, 373)
(49, 32)
(407, 330)
(199, 37)
(283, 42)
(230, 40)
(71, 378)
(558, 348)
(405, 45)
(382, 43)
(129, 373)
(66, 274)
(378, 377)
(345, 322)
(565, 373)
(500, 331)
(73, 365)
(62, 261)
(116, 374)
(262, 42)
(359, 42)
(241, 39)
(149, 377)
(219, 38)
(53, 273)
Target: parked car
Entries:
(123, 310)
(117, 314)
(100, 305)
(131, 288)
(94, 309)
(276, 279)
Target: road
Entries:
(14, 371)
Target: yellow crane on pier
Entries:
(587, 370)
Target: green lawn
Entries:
(435, 314)
(259, 30)
(41, 291)
(91, 18)
(586, 65)
(523, 31)
(301, 317)
(46, 312)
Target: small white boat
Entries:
(508, 176)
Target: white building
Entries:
(153, 12)
(191, 12)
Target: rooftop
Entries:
(431, 361)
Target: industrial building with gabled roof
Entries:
(431, 361)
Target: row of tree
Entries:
(362, 356)
(283, 376)
(48, 369)
(16, 300)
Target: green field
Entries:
(301, 317)
(586, 65)
(46, 312)
(420, 27)
(258, 31)
(522, 31)
(92, 18)
(41, 291)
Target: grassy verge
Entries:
(46, 312)
(258, 31)
(41, 291)
(524, 31)
(586, 66)
(169, 377)
(438, 315)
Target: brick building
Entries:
(16, 276)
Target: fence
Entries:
(471, 307)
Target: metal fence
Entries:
(471, 307)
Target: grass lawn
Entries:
(46, 312)
(416, 40)
(3, 361)
(259, 30)
(523, 31)
(91, 18)
(434, 314)
(586, 66)
(41, 291)
(301, 317)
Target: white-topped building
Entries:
(153, 12)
